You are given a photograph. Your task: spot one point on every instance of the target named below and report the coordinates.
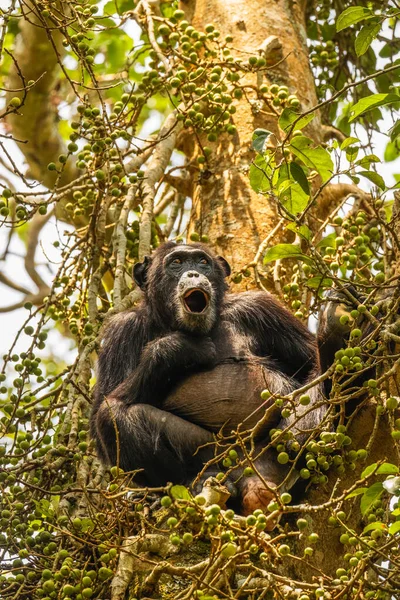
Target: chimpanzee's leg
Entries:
(145, 437)
(252, 491)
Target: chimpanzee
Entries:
(190, 362)
(334, 335)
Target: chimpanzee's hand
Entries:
(205, 353)
(182, 350)
(161, 359)
(212, 472)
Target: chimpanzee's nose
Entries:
(193, 274)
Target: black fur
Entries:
(333, 336)
(147, 354)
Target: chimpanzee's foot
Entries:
(230, 485)
(255, 495)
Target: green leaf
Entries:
(87, 524)
(315, 158)
(180, 492)
(394, 528)
(126, 5)
(302, 230)
(167, 9)
(37, 523)
(319, 282)
(281, 177)
(391, 151)
(313, 31)
(394, 132)
(352, 153)
(105, 21)
(55, 501)
(260, 174)
(299, 176)
(327, 31)
(328, 241)
(119, 7)
(110, 8)
(365, 37)
(366, 161)
(368, 470)
(352, 15)
(259, 139)
(374, 177)
(281, 251)
(292, 197)
(291, 182)
(390, 49)
(388, 208)
(350, 141)
(343, 124)
(384, 81)
(370, 102)
(388, 469)
(373, 493)
(375, 525)
(356, 492)
(44, 507)
(289, 116)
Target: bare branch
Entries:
(148, 9)
(36, 225)
(157, 165)
(11, 284)
(120, 245)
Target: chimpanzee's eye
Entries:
(204, 261)
(177, 261)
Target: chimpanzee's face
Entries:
(192, 271)
(187, 283)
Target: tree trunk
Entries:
(224, 206)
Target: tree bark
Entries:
(224, 206)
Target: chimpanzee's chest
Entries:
(231, 343)
(229, 393)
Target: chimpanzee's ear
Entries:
(140, 272)
(225, 265)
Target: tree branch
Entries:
(157, 165)
(35, 227)
(35, 59)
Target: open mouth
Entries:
(196, 301)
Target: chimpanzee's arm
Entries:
(134, 369)
(274, 332)
(142, 436)
(163, 362)
(333, 335)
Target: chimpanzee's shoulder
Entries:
(124, 323)
(250, 300)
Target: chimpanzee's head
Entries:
(184, 286)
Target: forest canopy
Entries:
(270, 131)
